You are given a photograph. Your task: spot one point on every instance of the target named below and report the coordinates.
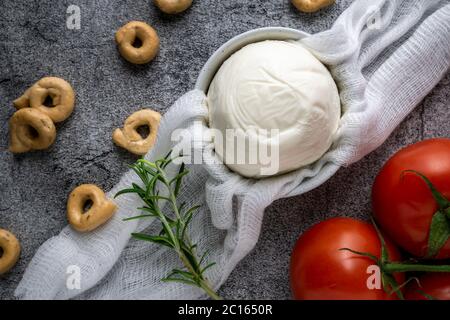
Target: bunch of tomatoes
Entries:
(402, 254)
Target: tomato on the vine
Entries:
(321, 270)
(403, 203)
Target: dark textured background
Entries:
(34, 42)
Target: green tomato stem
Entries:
(409, 267)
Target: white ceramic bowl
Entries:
(225, 51)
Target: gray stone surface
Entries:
(34, 42)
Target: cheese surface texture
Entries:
(269, 87)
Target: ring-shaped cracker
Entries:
(60, 92)
(11, 251)
(126, 38)
(173, 6)
(130, 139)
(310, 6)
(101, 210)
(29, 130)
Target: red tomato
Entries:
(404, 206)
(437, 285)
(320, 271)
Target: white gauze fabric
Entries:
(383, 70)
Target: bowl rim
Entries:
(213, 64)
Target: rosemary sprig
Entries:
(174, 233)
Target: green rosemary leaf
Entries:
(190, 213)
(144, 162)
(139, 217)
(191, 257)
(179, 179)
(166, 163)
(155, 239)
(202, 259)
(182, 273)
(151, 185)
(124, 191)
(155, 175)
(158, 198)
(168, 155)
(181, 208)
(138, 188)
(138, 171)
(188, 218)
(159, 163)
(148, 209)
(149, 169)
(166, 229)
(178, 228)
(207, 267)
(180, 171)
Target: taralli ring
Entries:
(10, 247)
(138, 42)
(101, 209)
(57, 91)
(30, 129)
(130, 139)
(173, 6)
(311, 5)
